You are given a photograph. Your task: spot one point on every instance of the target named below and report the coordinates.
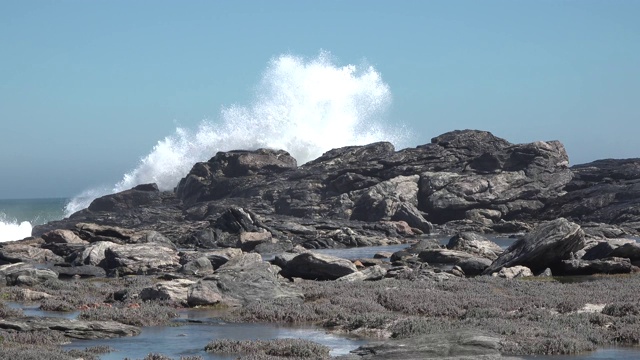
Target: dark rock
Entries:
(611, 265)
(603, 191)
(473, 266)
(630, 251)
(604, 249)
(83, 271)
(545, 247)
(315, 266)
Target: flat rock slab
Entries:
(77, 329)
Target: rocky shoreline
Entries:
(132, 258)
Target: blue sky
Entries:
(87, 88)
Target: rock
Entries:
(61, 236)
(473, 266)
(73, 328)
(203, 294)
(611, 265)
(215, 179)
(513, 272)
(394, 199)
(141, 195)
(220, 257)
(516, 180)
(94, 254)
(604, 191)
(154, 237)
(83, 271)
(452, 345)
(26, 275)
(314, 266)
(423, 244)
(249, 240)
(174, 290)
(14, 253)
(245, 279)
(475, 244)
(630, 251)
(604, 249)
(200, 266)
(140, 259)
(26, 295)
(443, 256)
(545, 247)
(375, 272)
(382, 255)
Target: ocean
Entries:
(19, 216)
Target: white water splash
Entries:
(12, 230)
(304, 107)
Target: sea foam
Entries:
(12, 230)
(304, 106)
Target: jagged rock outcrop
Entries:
(603, 191)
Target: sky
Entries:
(87, 88)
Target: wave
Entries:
(304, 106)
(12, 229)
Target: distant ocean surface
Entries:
(19, 216)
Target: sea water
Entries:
(19, 216)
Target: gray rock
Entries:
(371, 273)
(545, 247)
(444, 256)
(475, 244)
(140, 259)
(78, 329)
(204, 293)
(61, 236)
(175, 290)
(316, 266)
(25, 274)
(630, 251)
(246, 279)
(605, 248)
(27, 253)
(200, 266)
(457, 345)
(513, 272)
(94, 254)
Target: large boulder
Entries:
(611, 265)
(140, 259)
(316, 266)
(25, 274)
(516, 181)
(545, 247)
(243, 279)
